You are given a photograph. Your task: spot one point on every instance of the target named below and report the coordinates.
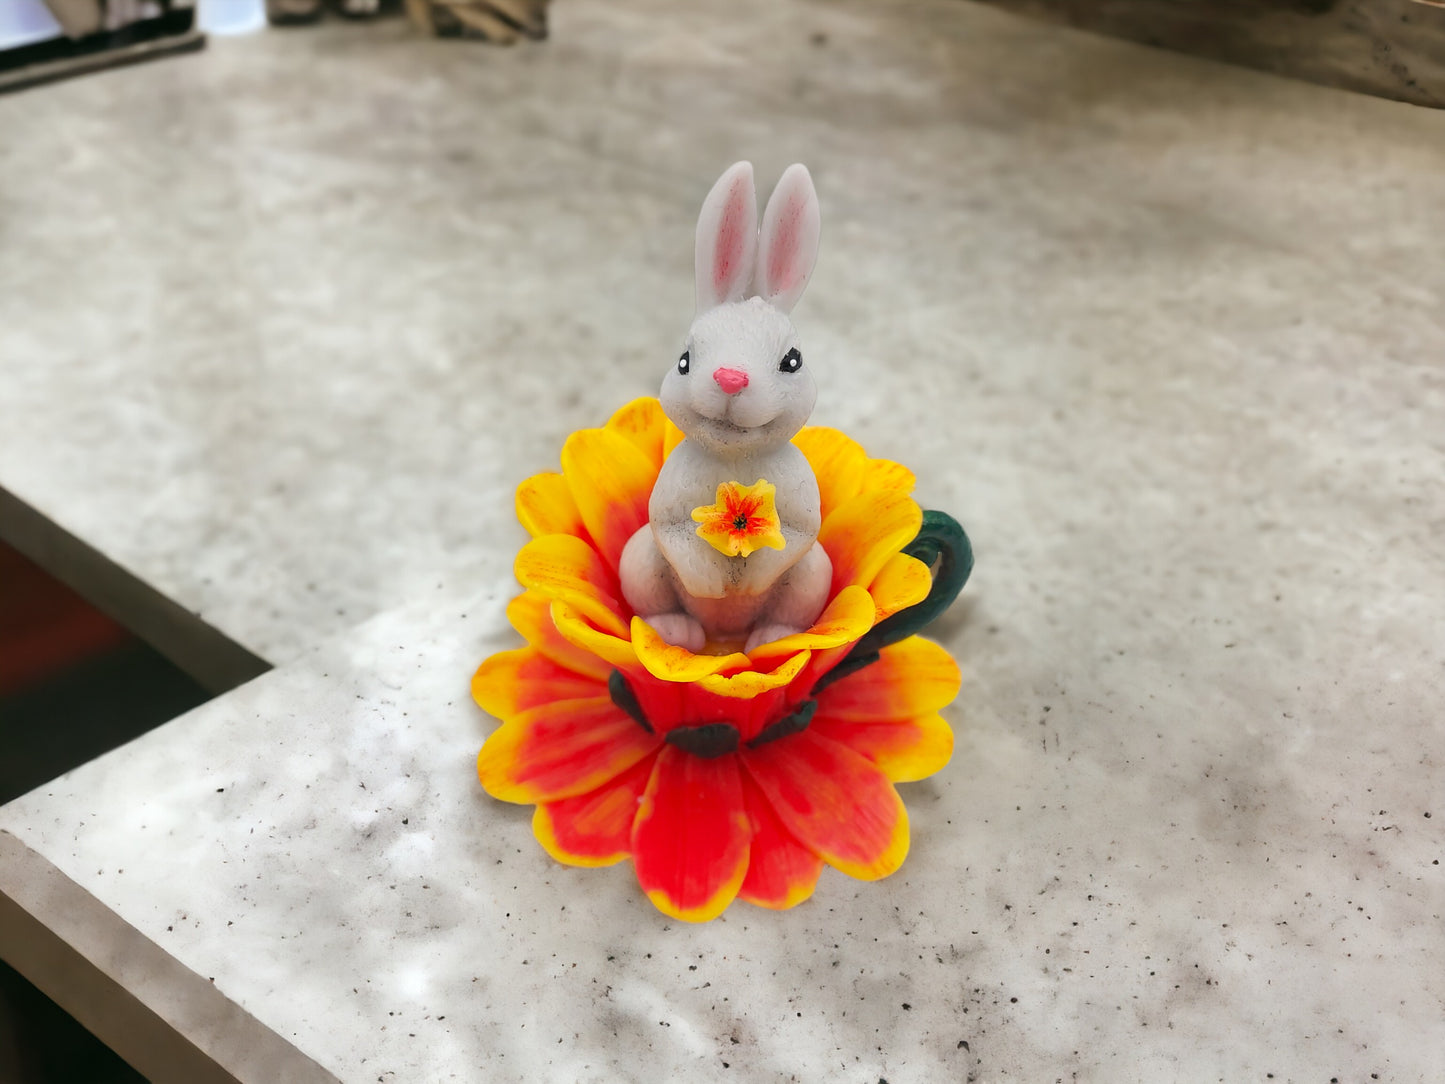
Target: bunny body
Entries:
(739, 393)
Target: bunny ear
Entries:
(790, 239)
(727, 238)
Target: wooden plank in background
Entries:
(1388, 48)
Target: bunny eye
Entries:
(684, 363)
(792, 361)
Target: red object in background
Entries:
(45, 627)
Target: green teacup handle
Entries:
(940, 540)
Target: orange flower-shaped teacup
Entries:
(721, 776)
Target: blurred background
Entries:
(1393, 48)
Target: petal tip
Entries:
(546, 833)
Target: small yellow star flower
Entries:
(745, 518)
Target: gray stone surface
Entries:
(1180, 849)
(1163, 334)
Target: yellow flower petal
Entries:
(782, 873)
(545, 506)
(530, 614)
(862, 535)
(886, 474)
(749, 683)
(644, 424)
(715, 531)
(847, 618)
(844, 469)
(672, 436)
(888, 711)
(902, 582)
(545, 830)
(615, 651)
(838, 461)
(567, 569)
(611, 480)
(672, 663)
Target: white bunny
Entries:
(739, 393)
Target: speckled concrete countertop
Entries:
(1163, 334)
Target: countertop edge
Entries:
(163, 1018)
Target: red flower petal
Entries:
(782, 873)
(690, 842)
(594, 829)
(670, 704)
(835, 801)
(560, 750)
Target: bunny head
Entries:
(740, 386)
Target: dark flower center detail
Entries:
(740, 523)
(706, 740)
(709, 740)
(794, 723)
(623, 696)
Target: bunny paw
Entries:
(766, 634)
(680, 630)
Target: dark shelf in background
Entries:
(74, 684)
(171, 32)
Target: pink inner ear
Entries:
(783, 263)
(731, 239)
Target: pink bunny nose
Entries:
(731, 381)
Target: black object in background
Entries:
(73, 685)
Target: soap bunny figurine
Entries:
(739, 393)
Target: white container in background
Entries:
(24, 22)
(231, 16)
